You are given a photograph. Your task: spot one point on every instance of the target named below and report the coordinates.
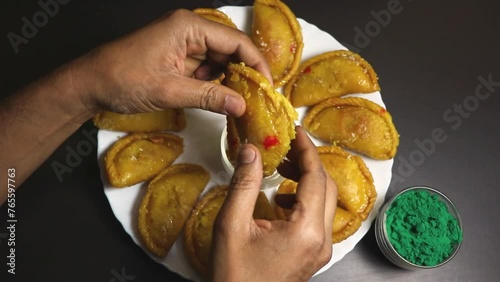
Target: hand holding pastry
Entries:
(245, 249)
(162, 65)
(165, 65)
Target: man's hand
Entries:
(245, 249)
(160, 66)
(156, 67)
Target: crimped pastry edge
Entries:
(217, 13)
(359, 102)
(372, 197)
(122, 143)
(188, 237)
(297, 32)
(179, 122)
(143, 211)
(327, 55)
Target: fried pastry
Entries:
(198, 231)
(345, 223)
(356, 192)
(219, 79)
(215, 15)
(263, 209)
(140, 156)
(268, 121)
(286, 187)
(329, 75)
(168, 120)
(278, 36)
(167, 205)
(356, 124)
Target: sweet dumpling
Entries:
(140, 156)
(345, 223)
(268, 121)
(329, 75)
(356, 192)
(215, 15)
(166, 120)
(167, 204)
(356, 124)
(198, 231)
(277, 34)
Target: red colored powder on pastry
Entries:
(270, 141)
(308, 69)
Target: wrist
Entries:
(81, 76)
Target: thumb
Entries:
(186, 92)
(238, 207)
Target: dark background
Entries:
(428, 57)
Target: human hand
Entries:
(160, 66)
(244, 249)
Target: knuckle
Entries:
(321, 175)
(242, 181)
(315, 239)
(325, 255)
(243, 36)
(209, 97)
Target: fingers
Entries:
(244, 190)
(184, 92)
(311, 189)
(289, 170)
(222, 40)
(330, 207)
(209, 71)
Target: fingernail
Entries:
(233, 106)
(247, 155)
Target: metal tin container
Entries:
(383, 239)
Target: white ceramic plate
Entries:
(202, 146)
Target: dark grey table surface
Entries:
(432, 58)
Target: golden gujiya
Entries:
(140, 156)
(278, 36)
(356, 191)
(328, 75)
(198, 231)
(215, 15)
(166, 120)
(167, 205)
(354, 123)
(268, 122)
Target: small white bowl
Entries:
(269, 182)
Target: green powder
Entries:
(421, 229)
